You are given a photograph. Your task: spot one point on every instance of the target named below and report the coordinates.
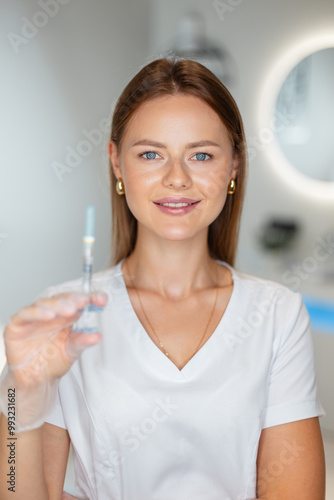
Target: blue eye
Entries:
(202, 156)
(150, 155)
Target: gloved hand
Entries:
(40, 348)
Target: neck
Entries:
(174, 269)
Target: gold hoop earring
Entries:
(231, 187)
(120, 186)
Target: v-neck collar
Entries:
(154, 358)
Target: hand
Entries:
(41, 347)
(39, 341)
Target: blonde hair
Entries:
(170, 76)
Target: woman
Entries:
(201, 385)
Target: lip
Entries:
(174, 199)
(176, 210)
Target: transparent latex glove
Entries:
(40, 348)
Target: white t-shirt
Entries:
(142, 429)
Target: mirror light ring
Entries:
(268, 96)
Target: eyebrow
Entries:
(148, 142)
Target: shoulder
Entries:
(270, 300)
(254, 287)
(273, 310)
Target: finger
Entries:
(99, 298)
(47, 309)
(31, 314)
(77, 342)
(65, 302)
(35, 316)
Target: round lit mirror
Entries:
(305, 105)
(295, 109)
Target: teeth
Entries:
(175, 204)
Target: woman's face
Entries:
(175, 150)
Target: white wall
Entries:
(258, 33)
(57, 81)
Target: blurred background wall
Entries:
(64, 63)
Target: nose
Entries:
(177, 175)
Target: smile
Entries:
(176, 208)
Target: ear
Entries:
(113, 155)
(235, 166)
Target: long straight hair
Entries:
(170, 76)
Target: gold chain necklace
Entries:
(153, 331)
